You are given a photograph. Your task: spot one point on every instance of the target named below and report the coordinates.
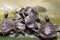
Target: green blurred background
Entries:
(52, 6)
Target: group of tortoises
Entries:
(26, 19)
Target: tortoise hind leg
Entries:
(23, 33)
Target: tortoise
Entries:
(32, 13)
(47, 31)
(40, 9)
(19, 28)
(6, 25)
(19, 24)
(31, 24)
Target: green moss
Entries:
(58, 38)
(9, 38)
(11, 15)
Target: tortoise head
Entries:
(29, 8)
(6, 14)
(47, 19)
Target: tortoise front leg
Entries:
(57, 27)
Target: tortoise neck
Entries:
(47, 20)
